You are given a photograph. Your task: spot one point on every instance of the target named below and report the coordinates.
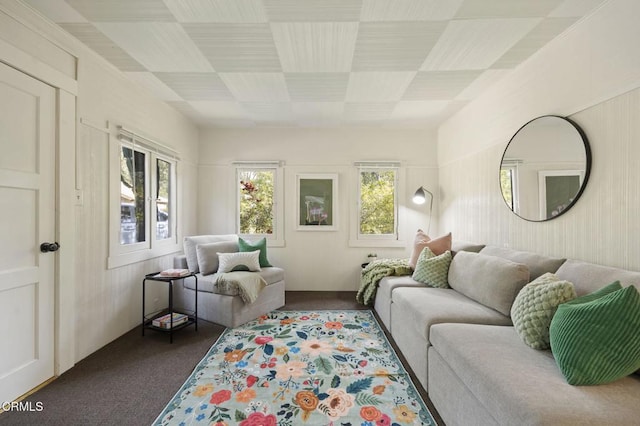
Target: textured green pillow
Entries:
(595, 339)
(535, 305)
(246, 246)
(433, 270)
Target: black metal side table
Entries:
(147, 319)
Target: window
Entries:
(378, 202)
(145, 196)
(509, 187)
(259, 200)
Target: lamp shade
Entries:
(420, 197)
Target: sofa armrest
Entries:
(180, 262)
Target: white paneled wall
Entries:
(572, 76)
(320, 261)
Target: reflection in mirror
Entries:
(545, 168)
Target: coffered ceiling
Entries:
(309, 63)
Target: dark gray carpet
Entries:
(129, 381)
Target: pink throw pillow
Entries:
(438, 246)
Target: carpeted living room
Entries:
(319, 212)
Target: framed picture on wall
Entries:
(558, 189)
(317, 204)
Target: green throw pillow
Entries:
(534, 306)
(245, 246)
(433, 270)
(595, 339)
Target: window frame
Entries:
(276, 238)
(152, 247)
(357, 239)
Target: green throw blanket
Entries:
(374, 272)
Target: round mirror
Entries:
(545, 168)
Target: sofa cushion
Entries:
(535, 305)
(433, 270)
(589, 277)
(595, 338)
(248, 261)
(207, 255)
(521, 386)
(420, 307)
(537, 263)
(190, 243)
(437, 245)
(261, 245)
(492, 281)
(271, 275)
(460, 245)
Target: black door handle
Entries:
(47, 247)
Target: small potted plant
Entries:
(371, 257)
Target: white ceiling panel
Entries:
(378, 86)
(313, 10)
(236, 47)
(315, 46)
(278, 113)
(323, 87)
(196, 86)
(439, 85)
(256, 87)
(409, 10)
(158, 46)
(368, 111)
(265, 63)
(476, 44)
(229, 11)
(57, 10)
(417, 109)
(472, 9)
(395, 46)
(480, 84)
(96, 40)
(123, 10)
(575, 8)
(544, 32)
(222, 110)
(157, 87)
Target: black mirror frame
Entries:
(587, 171)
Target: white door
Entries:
(27, 218)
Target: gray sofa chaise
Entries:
(461, 344)
(224, 305)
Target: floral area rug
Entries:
(300, 368)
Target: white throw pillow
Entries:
(229, 261)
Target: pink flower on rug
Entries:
(290, 369)
(263, 340)
(384, 420)
(220, 397)
(251, 380)
(337, 404)
(315, 347)
(259, 419)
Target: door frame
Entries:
(66, 89)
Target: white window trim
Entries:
(276, 239)
(356, 239)
(121, 255)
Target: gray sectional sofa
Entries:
(224, 305)
(464, 350)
